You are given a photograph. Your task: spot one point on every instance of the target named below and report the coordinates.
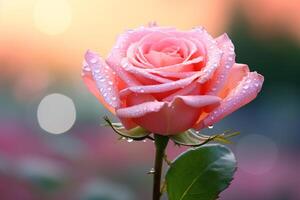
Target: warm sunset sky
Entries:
(55, 33)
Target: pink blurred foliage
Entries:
(102, 154)
(283, 179)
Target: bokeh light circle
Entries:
(56, 113)
(52, 17)
(256, 154)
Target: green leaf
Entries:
(201, 173)
(137, 133)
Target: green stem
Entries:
(161, 143)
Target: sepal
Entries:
(137, 133)
(194, 139)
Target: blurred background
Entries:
(51, 143)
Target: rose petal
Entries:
(90, 83)
(165, 43)
(120, 49)
(136, 59)
(198, 101)
(160, 59)
(213, 54)
(192, 89)
(140, 109)
(186, 66)
(161, 87)
(183, 46)
(171, 74)
(245, 92)
(235, 75)
(100, 80)
(162, 117)
(128, 123)
(141, 72)
(215, 84)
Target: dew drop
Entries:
(129, 140)
(246, 87)
(144, 140)
(87, 68)
(94, 60)
(210, 127)
(152, 171)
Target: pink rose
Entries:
(168, 81)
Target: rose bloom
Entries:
(168, 81)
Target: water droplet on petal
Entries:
(210, 127)
(246, 87)
(94, 60)
(87, 68)
(129, 140)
